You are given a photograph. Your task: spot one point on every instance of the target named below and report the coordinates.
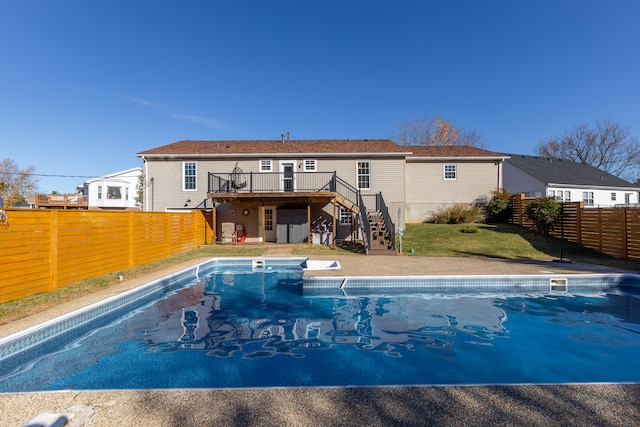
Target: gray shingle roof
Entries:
(551, 170)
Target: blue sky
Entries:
(84, 85)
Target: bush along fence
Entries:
(43, 250)
(612, 231)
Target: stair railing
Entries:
(345, 189)
(384, 210)
(365, 227)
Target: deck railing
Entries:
(274, 182)
(249, 182)
(64, 201)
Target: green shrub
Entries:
(543, 212)
(458, 213)
(469, 229)
(498, 209)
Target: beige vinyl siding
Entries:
(427, 190)
(168, 180)
(387, 176)
(166, 190)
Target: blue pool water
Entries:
(245, 328)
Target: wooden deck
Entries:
(62, 201)
(285, 196)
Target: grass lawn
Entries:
(498, 241)
(469, 240)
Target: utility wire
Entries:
(63, 176)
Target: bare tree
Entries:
(436, 130)
(608, 146)
(16, 184)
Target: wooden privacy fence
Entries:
(43, 250)
(612, 231)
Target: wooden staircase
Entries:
(347, 204)
(378, 236)
(381, 243)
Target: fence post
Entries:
(624, 233)
(520, 198)
(214, 219)
(600, 237)
(562, 219)
(579, 223)
(53, 269)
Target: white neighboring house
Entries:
(116, 191)
(567, 181)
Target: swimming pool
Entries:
(231, 323)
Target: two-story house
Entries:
(279, 191)
(285, 190)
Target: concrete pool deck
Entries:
(597, 404)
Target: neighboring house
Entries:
(116, 191)
(443, 175)
(277, 188)
(567, 181)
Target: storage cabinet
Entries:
(291, 226)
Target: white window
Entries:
(450, 172)
(613, 197)
(266, 165)
(114, 193)
(99, 192)
(345, 216)
(559, 195)
(627, 198)
(189, 177)
(587, 198)
(552, 193)
(363, 174)
(310, 165)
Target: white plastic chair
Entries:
(229, 233)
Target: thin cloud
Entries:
(137, 100)
(205, 121)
